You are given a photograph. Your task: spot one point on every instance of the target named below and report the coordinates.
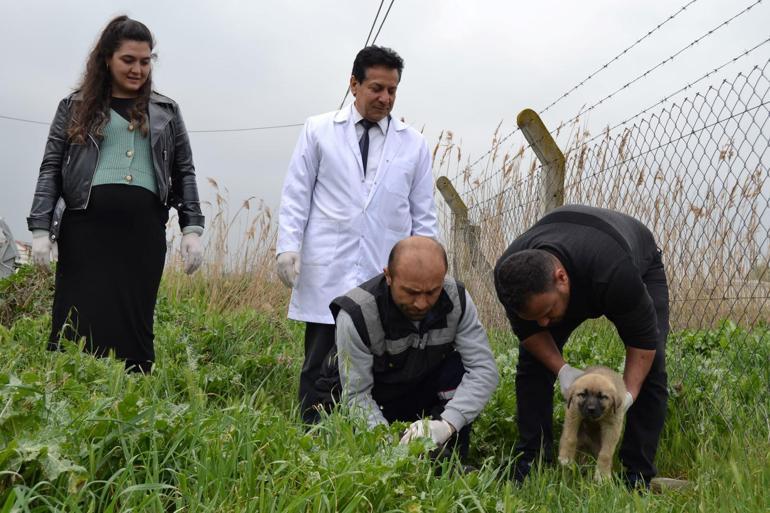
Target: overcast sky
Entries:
(469, 66)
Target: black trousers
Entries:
(426, 398)
(644, 420)
(319, 340)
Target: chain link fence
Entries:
(696, 171)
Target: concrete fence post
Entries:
(550, 156)
(459, 218)
(466, 238)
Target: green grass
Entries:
(215, 427)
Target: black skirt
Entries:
(111, 258)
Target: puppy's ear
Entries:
(569, 398)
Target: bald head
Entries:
(417, 253)
(415, 274)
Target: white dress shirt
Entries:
(376, 141)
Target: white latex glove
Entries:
(438, 430)
(288, 267)
(567, 375)
(192, 252)
(628, 401)
(43, 250)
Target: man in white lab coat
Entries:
(359, 181)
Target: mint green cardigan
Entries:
(125, 156)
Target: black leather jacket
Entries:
(68, 169)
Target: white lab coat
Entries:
(343, 235)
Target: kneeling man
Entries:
(411, 348)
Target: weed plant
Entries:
(216, 428)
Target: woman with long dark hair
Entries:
(117, 157)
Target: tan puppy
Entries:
(594, 418)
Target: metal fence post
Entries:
(548, 153)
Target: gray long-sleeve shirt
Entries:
(480, 380)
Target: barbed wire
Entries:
(628, 84)
(484, 203)
(692, 167)
(480, 184)
(484, 181)
(617, 57)
(646, 110)
(477, 187)
(680, 90)
(494, 148)
(497, 144)
(665, 61)
(590, 76)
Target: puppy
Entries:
(594, 418)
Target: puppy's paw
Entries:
(566, 461)
(601, 476)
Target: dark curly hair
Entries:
(523, 274)
(90, 114)
(374, 55)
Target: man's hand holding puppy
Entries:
(567, 375)
(638, 364)
(628, 401)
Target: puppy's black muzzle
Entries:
(591, 408)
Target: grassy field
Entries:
(215, 427)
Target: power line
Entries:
(266, 127)
(11, 118)
(506, 137)
(374, 22)
(366, 43)
(248, 129)
(383, 21)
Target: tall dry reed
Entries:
(695, 172)
(238, 269)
